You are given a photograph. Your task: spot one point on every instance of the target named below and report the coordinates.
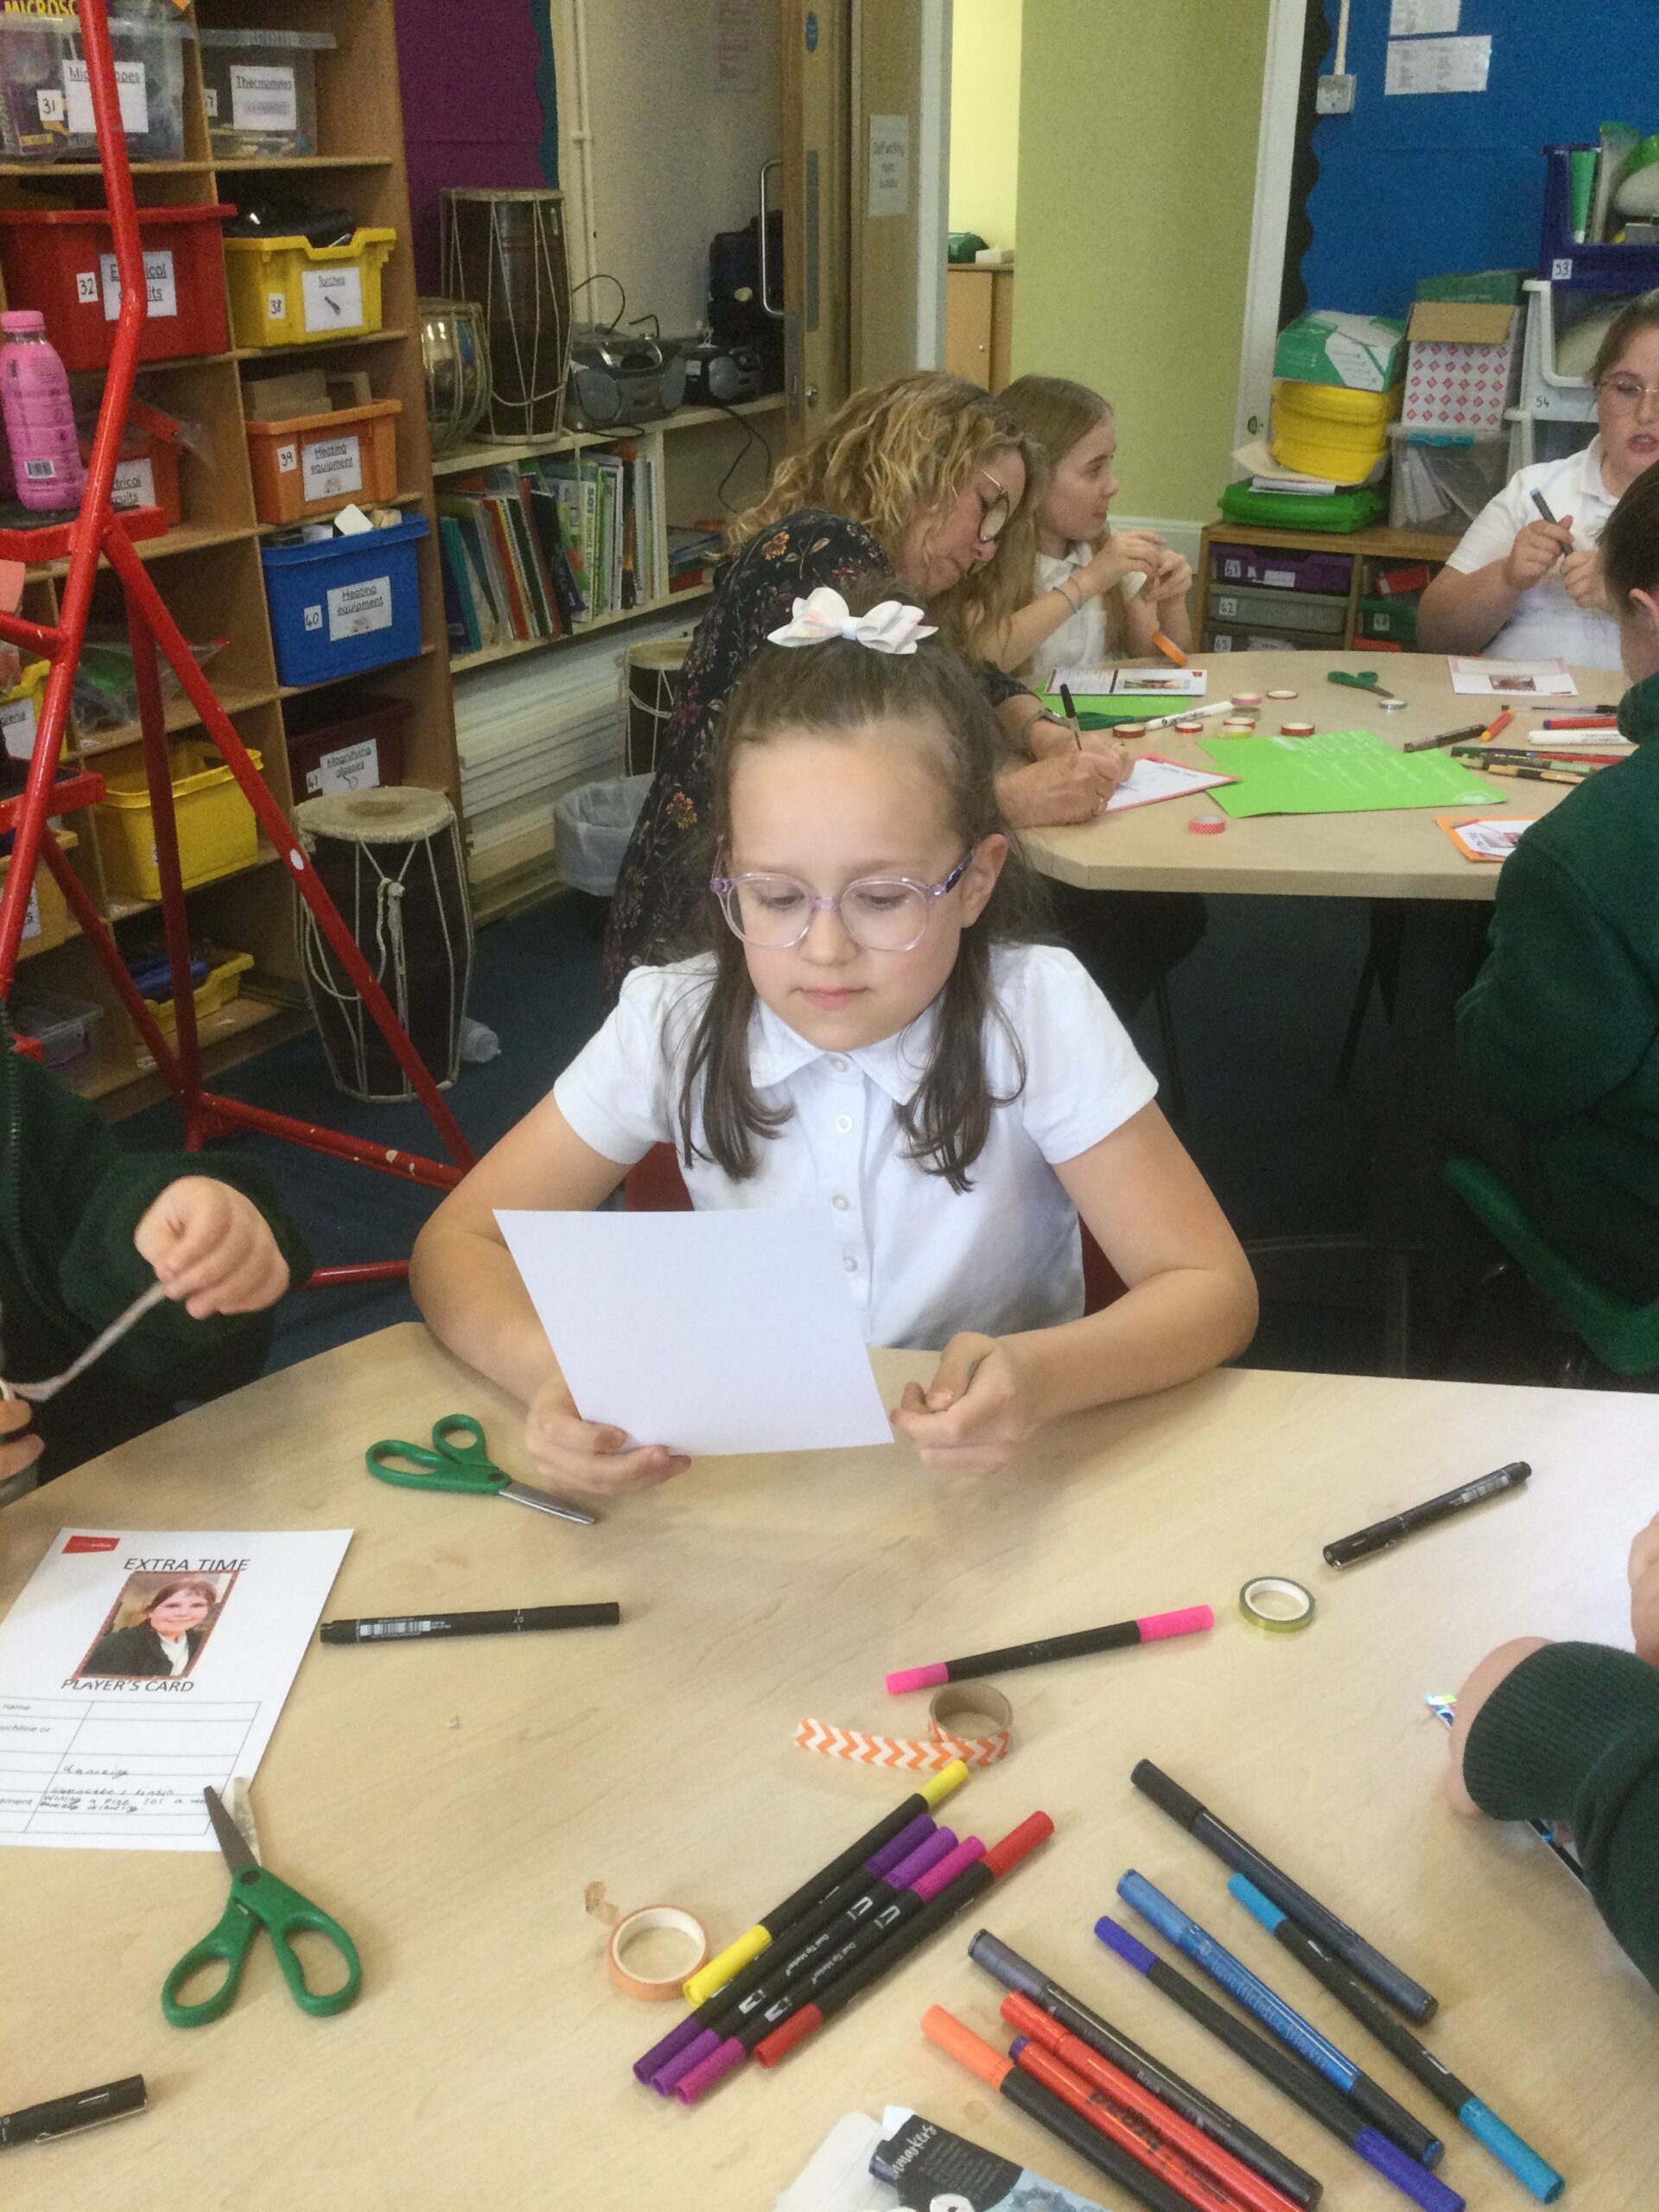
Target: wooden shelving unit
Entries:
(1370, 550)
(208, 568)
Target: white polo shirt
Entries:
(1546, 624)
(921, 1260)
(1081, 640)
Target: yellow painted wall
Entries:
(1137, 169)
(985, 117)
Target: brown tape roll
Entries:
(654, 1989)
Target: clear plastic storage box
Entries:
(261, 91)
(46, 102)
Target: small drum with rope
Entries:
(391, 862)
(651, 677)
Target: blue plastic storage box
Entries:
(345, 604)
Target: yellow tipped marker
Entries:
(733, 1960)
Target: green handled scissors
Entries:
(1366, 680)
(458, 1460)
(257, 1900)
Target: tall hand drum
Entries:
(391, 862)
(651, 677)
(506, 250)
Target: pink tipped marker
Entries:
(1187, 1621)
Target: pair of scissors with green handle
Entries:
(257, 1900)
(458, 1460)
(1366, 680)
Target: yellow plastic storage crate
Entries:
(46, 923)
(1325, 430)
(285, 291)
(217, 833)
(222, 984)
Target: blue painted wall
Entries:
(1419, 186)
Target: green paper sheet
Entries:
(1105, 710)
(1346, 772)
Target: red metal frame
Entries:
(99, 530)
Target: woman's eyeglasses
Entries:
(884, 913)
(994, 512)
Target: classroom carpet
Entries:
(1259, 1009)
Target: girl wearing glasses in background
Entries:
(924, 478)
(1522, 587)
(868, 1026)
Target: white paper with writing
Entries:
(355, 609)
(118, 1761)
(332, 299)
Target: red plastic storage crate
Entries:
(60, 261)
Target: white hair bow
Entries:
(891, 627)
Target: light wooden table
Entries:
(452, 1802)
(1399, 855)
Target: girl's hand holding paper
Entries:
(591, 1459)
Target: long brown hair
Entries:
(841, 689)
(907, 448)
(1638, 314)
(1054, 413)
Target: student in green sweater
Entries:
(84, 1229)
(1570, 1731)
(1560, 1034)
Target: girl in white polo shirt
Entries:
(1523, 588)
(871, 1029)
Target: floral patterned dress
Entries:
(755, 592)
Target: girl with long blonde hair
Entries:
(923, 485)
(1086, 594)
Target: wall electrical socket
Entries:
(1335, 95)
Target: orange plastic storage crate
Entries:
(316, 464)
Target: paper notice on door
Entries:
(136, 1668)
(1420, 18)
(332, 298)
(889, 191)
(1438, 65)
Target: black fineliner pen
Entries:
(1381, 1533)
(1543, 505)
(403, 1628)
(1071, 721)
(68, 2115)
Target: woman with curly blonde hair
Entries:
(922, 486)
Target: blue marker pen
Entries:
(1365, 2095)
(1505, 2146)
(1298, 2081)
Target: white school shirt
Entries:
(921, 1260)
(175, 1649)
(1546, 624)
(1080, 641)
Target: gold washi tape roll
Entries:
(950, 1709)
(651, 1918)
(1274, 1601)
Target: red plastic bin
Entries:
(60, 261)
(354, 750)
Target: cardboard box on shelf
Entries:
(1463, 365)
(1363, 351)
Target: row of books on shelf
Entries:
(533, 548)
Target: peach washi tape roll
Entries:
(951, 1713)
(657, 1920)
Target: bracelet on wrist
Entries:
(1067, 588)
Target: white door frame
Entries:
(1281, 77)
(933, 183)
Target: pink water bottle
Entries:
(40, 419)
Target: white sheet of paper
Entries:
(1097, 681)
(118, 1762)
(1151, 779)
(1513, 680)
(1438, 65)
(1418, 18)
(710, 1332)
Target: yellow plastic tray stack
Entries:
(1325, 430)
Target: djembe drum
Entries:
(455, 360)
(651, 675)
(391, 862)
(506, 249)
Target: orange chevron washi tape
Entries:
(909, 1755)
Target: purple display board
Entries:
(479, 107)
